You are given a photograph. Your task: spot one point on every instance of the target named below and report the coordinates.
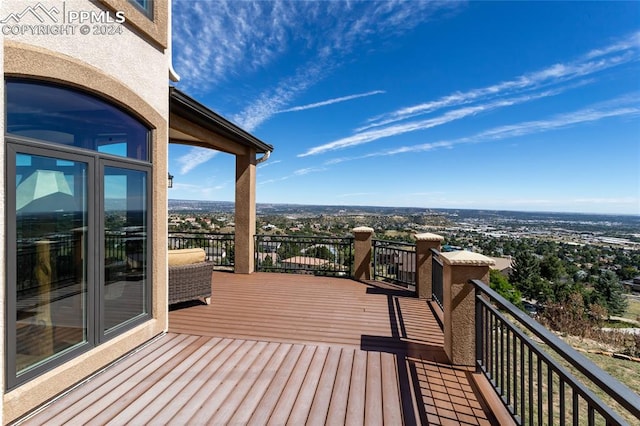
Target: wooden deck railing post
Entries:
(362, 256)
(459, 268)
(424, 243)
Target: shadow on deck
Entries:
(285, 349)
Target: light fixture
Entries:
(170, 178)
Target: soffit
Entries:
(192, 123)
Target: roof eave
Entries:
(185, 106)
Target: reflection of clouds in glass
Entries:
(115, 186)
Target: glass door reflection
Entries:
(51, 255)
(125, 246)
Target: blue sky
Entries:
(531, 106)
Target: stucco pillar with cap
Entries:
(362, 256)
(459, 267)
(424, 243)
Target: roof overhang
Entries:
(192, 123)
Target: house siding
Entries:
(129, 70)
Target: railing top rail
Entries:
(302, 237)
(395, 243)
(614, 388)
(200, 234)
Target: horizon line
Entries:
(417, 208)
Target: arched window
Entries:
(78, 215)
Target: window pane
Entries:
(51, 253)
(125, 266)
(68, 117)
(146, 5)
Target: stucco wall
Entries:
(128, 57)
(2, 227)
(131, 71)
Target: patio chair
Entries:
(189, 276)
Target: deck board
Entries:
(283, 349)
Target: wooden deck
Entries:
(284, 349)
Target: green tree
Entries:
(288, 250)
(267, 264)
(628, 272)
(525, 276)
(608, 292)
(551, 267)
(503, 287)
(320, 252)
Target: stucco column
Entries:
(245, 218)
(362, 256)
(424, 243)
(459, 267)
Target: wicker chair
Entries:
(189, 281)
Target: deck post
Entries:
(424, 243)
(362, 256)
(245, 215)
(459, 268)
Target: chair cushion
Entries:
(186, 256)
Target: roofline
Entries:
(185, 106)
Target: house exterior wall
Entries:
(130, 70)
(2, 227)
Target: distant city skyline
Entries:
(518, 106)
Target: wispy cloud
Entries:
(399, 129)
(268, 163)
(306, 171)
(215, 42)
(272, 100)
(332, 101)
(597, 60)
(522, 89)
(296, 173)
(194, 158)
(615, 108)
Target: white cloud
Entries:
(626, 50)
(194, 158)
(296, 173)
(272, 100)
(217, 41)
(268, 163)
(399, 129)
(306, 171)
(332, 101)
(612, 109)
(214, 40)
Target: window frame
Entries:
(95, 161)
(147, 10)
(145, 316)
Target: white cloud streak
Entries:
(595, 61)
(194, 158)
(399, 129)
(268, 163)
(296, 173)
(618, 107)
(332, 101)
(215, 42)
(521, 87)
(586, 115)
